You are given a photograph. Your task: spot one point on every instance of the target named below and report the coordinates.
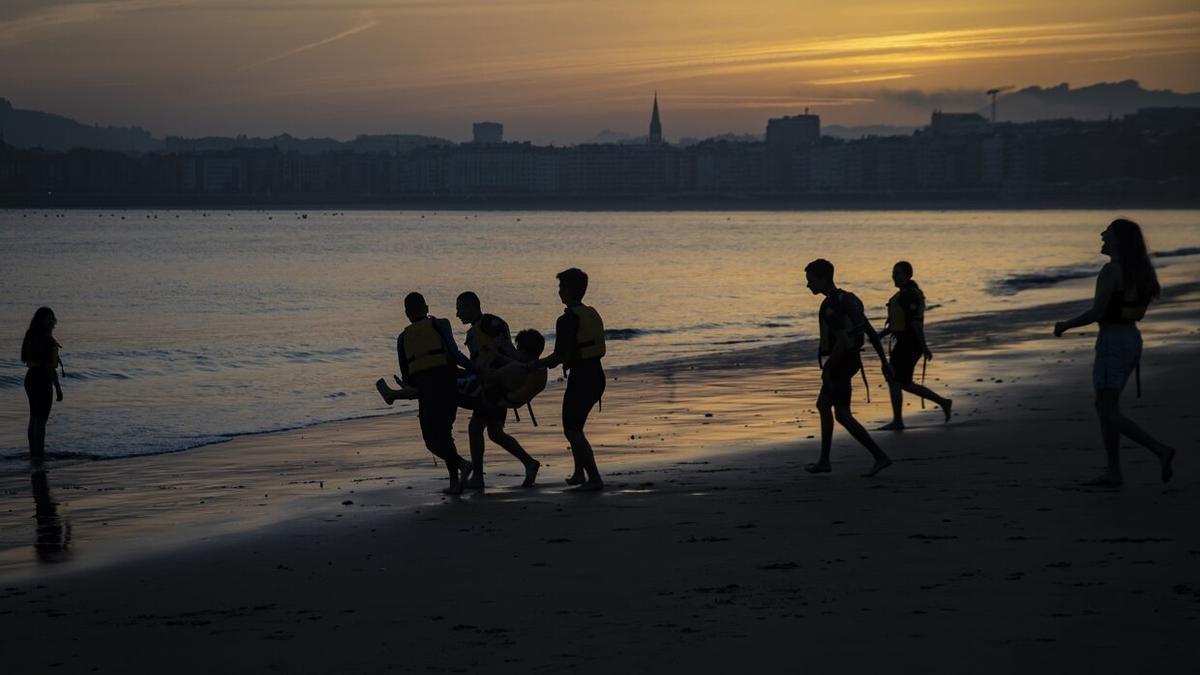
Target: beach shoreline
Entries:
(708, 551)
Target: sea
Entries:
(182, 328)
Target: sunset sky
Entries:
(562, 71)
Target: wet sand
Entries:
(328, 549)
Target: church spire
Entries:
(655, 124)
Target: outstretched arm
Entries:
(1106, 284)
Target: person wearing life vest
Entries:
(490, 348)
(843, 325)
(1125, 287)
(906, 323)
(428, 362)
(579, 347)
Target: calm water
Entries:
(184, 327)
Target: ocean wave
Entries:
(1178, 252)
(1013, 284)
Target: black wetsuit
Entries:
(585, 377)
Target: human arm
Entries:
(877, 343)
(443, 329)
(566, 332)
(1106, 284)
(403, 360)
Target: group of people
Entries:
(499, 373)
(496, 376)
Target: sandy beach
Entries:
(329, 549)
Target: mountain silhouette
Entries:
(1093, 102)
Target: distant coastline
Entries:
(1177, 199)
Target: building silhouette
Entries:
(487, 132)
(656, 137)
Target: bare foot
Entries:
(946, 410)
(880, 465)
(465, 469)
(386, 393)
(895, 425)
(475, 483)
(1164, 461)
(574, 479)
(1109, 479)
(455, 488)
(590, 486)
(531, 473)
(818, 467)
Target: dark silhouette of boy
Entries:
(843, 325)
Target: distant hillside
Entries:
(854, 133)
(1093, 102)
(385, 143)
(34, 129)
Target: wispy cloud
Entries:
(859, 79)
(54, 17)
(312, 45)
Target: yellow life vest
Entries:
(483, 347)
(589, 341)
(898, 318)
(423, 346)
(533, 385)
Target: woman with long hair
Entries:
(40, 353)
(1124, 289)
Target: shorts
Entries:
(1118, 352)
(903, 358)
(836, 379)
(437, 407)
(585, 387)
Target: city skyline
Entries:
(555, 74)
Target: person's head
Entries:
(530, 343)
(819, 274)
(902, 273)
(572, 285)
(1123, 241)
(39, 334)
(466, 308)
(414, 306)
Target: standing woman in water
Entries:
(39, 351)
(1125, 287)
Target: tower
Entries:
(655, 124)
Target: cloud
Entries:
(30, 26)
(312, 45)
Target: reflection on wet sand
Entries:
(53, 539)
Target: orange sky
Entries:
(561, 71)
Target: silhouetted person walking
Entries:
(843, 325)
(1124, 289)
(490, 346)
(428, 357)
(906, 323)
(40, 353)
(578, 346)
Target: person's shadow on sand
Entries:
(53, 539)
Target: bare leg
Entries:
(498, 436)
(897, 423)
(585, 460)
(475, 428)
(825, 408)
(1114, 424)
(846, 419)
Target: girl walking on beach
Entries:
(39, 352)
(1124, 289)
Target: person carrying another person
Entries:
(906, 323)
(843, 325)
(428, 363)
(490, 348)
(578, 347)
